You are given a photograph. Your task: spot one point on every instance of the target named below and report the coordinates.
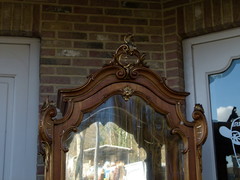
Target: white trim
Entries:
(31, 134)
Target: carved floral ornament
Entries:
(127, 77)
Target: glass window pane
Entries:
(124, 140)
(225, 102)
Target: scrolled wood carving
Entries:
(48, 112)
(128, 70)
(200, 127)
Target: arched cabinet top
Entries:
(126, 75)
(118, 71)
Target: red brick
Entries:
(180, 21)
(198, 16)
(103, 37)
(134, 21)
(101, 54)
(74, 2)
(27, 17)
(49, 16)
(57, 26)
(56, 43)
(87, 62)
(47, 70)
(118, 12)
(6, 15)
(169, 21)
(112, 46)
(55, 80)
(139, 5)
(171, 46)
(226, 10)
(174, 3)
(48, 34)
(72, 35)
(189, 18)
(172, 55)
(88, 45)
(78, 80)
(71, 53)
(217, 12)
(88, 10)
(156, 39)
(46, 89)
(173, 64)
(168, 13)
(89, 27)
(236, 14)
(155, 5)
(47, 52)
(173, 72)
(105, 3)
(154, 30)
(139, 38)
(155, 64)
(175, 83)
(72, 18)
(104, 19)
(158, 56)
(71, 71)
(147, 13)
(58, 9)
(155, 22)
(36, 18)
(42, 1)
(170, 29)
(150, 47)
(207, 14)
(171, 38)
(119, 29)
(54, 61)
(16, 25)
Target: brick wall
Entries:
(79, 36)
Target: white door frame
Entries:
(31, 131)
(196, 82)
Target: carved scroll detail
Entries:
(128, 70)
(48, 111)
(200, 129)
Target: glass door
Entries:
(225, 105)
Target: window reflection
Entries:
(124, 140)
(225, 103)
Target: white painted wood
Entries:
(19, 90)
(205, 55)
(6, 104)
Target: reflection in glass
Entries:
(124, 140)
(225, 101)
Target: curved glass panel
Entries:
(225, 102)
(124, 140)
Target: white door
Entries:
(19, 94)
(205, 56)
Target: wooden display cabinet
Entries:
(124, 123)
